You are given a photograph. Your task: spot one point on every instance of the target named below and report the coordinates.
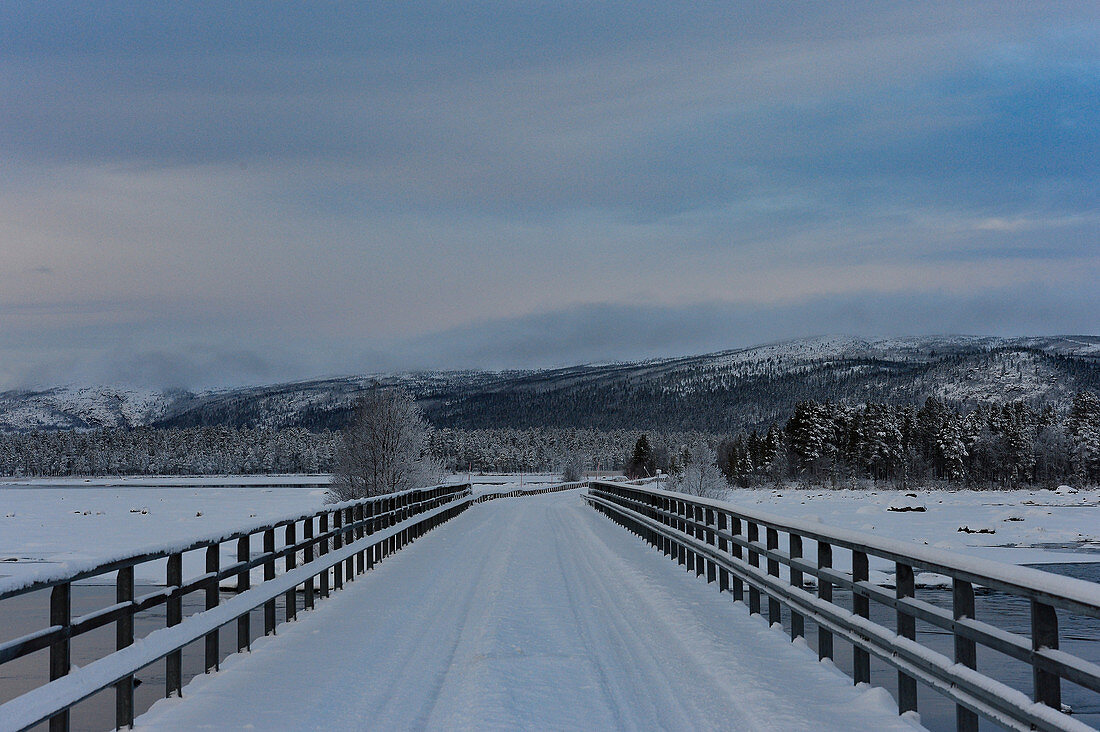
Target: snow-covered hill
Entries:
(719, 391)
(82, 408)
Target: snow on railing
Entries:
(483, 497)
(337, 543)
(723, 542)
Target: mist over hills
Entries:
(719, 392)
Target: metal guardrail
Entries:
(724, 543)
(336, 544)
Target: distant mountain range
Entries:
(718, 392)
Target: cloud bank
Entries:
(204, 196)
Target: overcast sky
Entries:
(215, 194)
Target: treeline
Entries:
(243, 451)
(991, 445)
(149, 451)
(547, 449)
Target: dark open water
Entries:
(1077, 635)
(30, 612)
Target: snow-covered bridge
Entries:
(526, 613)
(538, 612)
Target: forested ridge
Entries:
(966, 410)
(719, 393)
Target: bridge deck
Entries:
(527, 613)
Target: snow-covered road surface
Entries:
(532, 613)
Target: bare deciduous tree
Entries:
(384, 449)
(574, 469)
(700, 475)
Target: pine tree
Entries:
(1083, 426)
(641, 463)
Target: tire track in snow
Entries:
(590, 627)
(462, 669)
(652, 641)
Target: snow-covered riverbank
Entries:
(1017, 527)
(48, 522)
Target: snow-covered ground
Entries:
(45, 529)
(49, 524)
(169, 481)
(527, 613)
(1015, 527)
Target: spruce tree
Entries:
(641, 463)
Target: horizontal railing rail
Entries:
(493, 495)
(318, 552)
(723, 543)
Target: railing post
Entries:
(738, 554)
(688, 557)
(651, 536)
(670, 546)
(406, 511)
(698, 532)
(290, 562)
(307, 557)
(124, 637)
(349, 538)
(681, 527)
(244, 631)
(382, 523)
(824, 592)
(173, 662)
(712, 568)
(966, 653)
(906, 586)
(754, 560)
(213, 597)
(390, 520)
(360, 556)
(269, 574)
(1044, 634)
(798, 621)
(772, 538)
(61, 615)
(723, 548)
(861, 606)
(337, 543)
(371, 510)
(321, 531)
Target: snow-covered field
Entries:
(169, 481)
(45, 528)
(47, 525)
(1018, 527)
